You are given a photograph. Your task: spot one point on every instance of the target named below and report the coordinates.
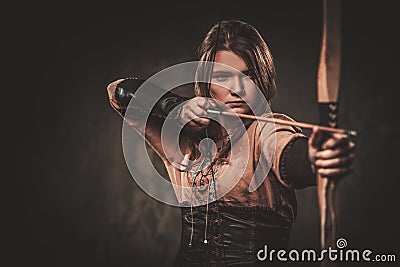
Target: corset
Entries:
(234, 235)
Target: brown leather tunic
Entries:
(265, 149)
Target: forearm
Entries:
(295, 166)
(146, 111)
(139, 106)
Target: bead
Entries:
(205, 241)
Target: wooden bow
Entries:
(328, 90)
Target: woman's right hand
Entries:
(194, 112)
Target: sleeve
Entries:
(134, 110)
(125, 93)
(290, 162)
(295, 167)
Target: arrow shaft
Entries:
(303, 125)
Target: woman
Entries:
(238, 202)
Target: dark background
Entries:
(69, 198)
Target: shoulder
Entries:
(261, 126)
(282, 116)
(285, 117)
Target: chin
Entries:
(241, 110)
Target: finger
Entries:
(199, 111)
(191, 114)
(334, 172)
(201, 102)
(334, 153)
(187, 116)
(201, 121)
(335, 162)
(198, 123)
(205, 104)
(335, 140)
(194, 120)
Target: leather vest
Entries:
(234, 235)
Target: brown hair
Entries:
(244, 40)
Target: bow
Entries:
(328, 89)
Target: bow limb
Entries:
(328, 89)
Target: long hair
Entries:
(245, 41)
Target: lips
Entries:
(235, 103)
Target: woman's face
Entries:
(232, 84)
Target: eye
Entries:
(220, 77)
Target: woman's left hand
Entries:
(331, 156)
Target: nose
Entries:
(237, 85)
